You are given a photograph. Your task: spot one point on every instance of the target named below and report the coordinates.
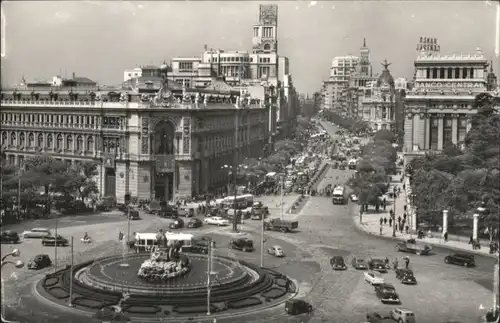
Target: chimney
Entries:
(74, 75)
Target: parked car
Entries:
(242, 244)
(373, 317)
(52, 241)
(133, 214)
(176, 224)
(194, 223)
(37, 233)
(184, 212)
(387, 293)
(373, 278)
(461, 259)
(297, 306)
(39, 262)
(338, 263)
(402, 315)
(276, 251)
(9, 237)
(377, 264)
(406, 276)
(359, 263)
(216, 220)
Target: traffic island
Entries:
(102, 285)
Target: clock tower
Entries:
(265, 34)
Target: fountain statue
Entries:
(165, 262)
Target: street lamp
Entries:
(394, 213)
(17, 264)
(234, 171)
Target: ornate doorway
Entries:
(109, 182)
(164, 150)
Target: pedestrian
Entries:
(407, 262)
(390, 222)
(396, 227)
(380, 230)
(391, 213)
(406, 229)
(385, 220)
(399, 219)
(384, 203)
(471, 240)
(120, 236)
(404, 216)
(446, 237)
(400, 228)
(381, 221)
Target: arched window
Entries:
(90, 144)
(50, 141)
(69, 142)
(31, 139)
(267, 47)
(21, 139)
(40, 140)
(59, 141)
(13, 139)
(4, 138)
(79, 143)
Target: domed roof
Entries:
(385, 77)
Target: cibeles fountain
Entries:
(167, 280)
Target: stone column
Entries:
(475, 221)
(413, 219)
(440, 133)
(454, 130)
(469, 125)
(445, 221)
(427, 128)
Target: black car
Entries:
(461, 259)
(359, 263)
(9, 237)
(297, 306)
(377, 264)
(40, 262)
(200, 246)
(176, 224)
(242, 244)
(406, 276)
(387, 293)
(52, 241)
(338, 263)
(194, 223)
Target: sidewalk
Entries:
(371, 224)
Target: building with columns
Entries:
(340, 73)
(439, 106)
(153, 140)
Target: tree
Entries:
(384, 135)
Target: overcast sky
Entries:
(100, 39)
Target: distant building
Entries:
(441, 103)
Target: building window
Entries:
(267, 32)
(461, 129)
(90, 144)
(79, 143)
(59, 141)
(69, 142)
(12, 159)
(40, 140)
(471, 75)
(433, 137)
(185, 65)
(447, 131)
(256, 31)
(4, 138)
(13, 139)
(441, 73)
(464, 75)
(31, 139)
(434, 73)
(450, 73)
(21, 140)
(50, 141)
(457, 72)
(20, 161)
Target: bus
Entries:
(339, 195)
(147, 241)
(242, 201)
(352, 163)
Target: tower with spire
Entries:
(491, 80)
(365, 67)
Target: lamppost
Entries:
(17, 264)
(234, 171)
(394, 213)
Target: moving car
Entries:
(461, 259)
(194, 223)
(242, 244)
(406, 276)
(52, 241)
(37, 233)
(359, 263)
(39, 262)
(373, 278)
(176, 224)
(412, 246)
(276, 251)
(387, 293)
(184, 212)
(216, 220)
(297, 306)
(403, 315)
(133, 214)
(338, 263)
(353, 197)
(9, 237)
(377, 264)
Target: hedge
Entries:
(89, 303)
(274, 293)
(58, 292)
(51, 281)
(136, 309)
(247, 302)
